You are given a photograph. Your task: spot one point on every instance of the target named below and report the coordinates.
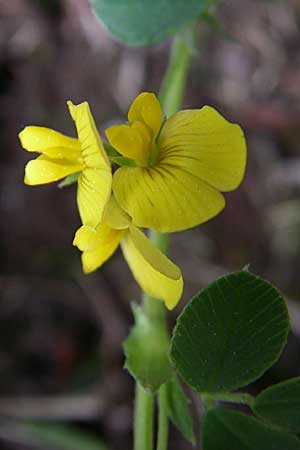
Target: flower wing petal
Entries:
(146, 108)
(128, 141)
(49, 142)
(154, 272)
(94, 184)
(206, 145)
(43, 170)
(165, 198)
(108, 240)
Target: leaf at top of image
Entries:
(230, 333)
(143, 22)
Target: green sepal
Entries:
(116, 157)
(224, 429)
(123, 161)
(70, 179)
(147, 351)
(280, 404)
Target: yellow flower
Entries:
(62, 155)
(154, 272)
(182, 165)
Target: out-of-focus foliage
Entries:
(140, 22)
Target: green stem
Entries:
(171, 96)
(239, 397)
(173, 85)
(143, 419)
(163, 419)
(208, 402)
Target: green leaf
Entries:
(146, 350)
(144, 22)
(178, 409)
(70, 179)
(230, 333)
(224, 429)
(60, 437)
(280, 404)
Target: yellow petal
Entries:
(146, 108)
(93, 152)
(49, 142)
(129, 141)
(108, 241)
(94, 189)
(43, 170)
(86, 238)
(206, 145)
(94, 184)
(165, 198)
(154, 272)
(114, 216)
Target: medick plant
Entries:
(171, 167)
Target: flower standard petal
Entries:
(165, 198)
(155, 273)
(97, 245)
(92, 195)
(49, 142)
(94, 184)
(206, 145)
(43, 170)
(92, 149)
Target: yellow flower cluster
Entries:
(177, 168)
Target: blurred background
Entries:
(61, 332)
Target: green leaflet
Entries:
(280, 404)
(230, 333)
(224, 429)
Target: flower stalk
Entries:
(172, 92)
